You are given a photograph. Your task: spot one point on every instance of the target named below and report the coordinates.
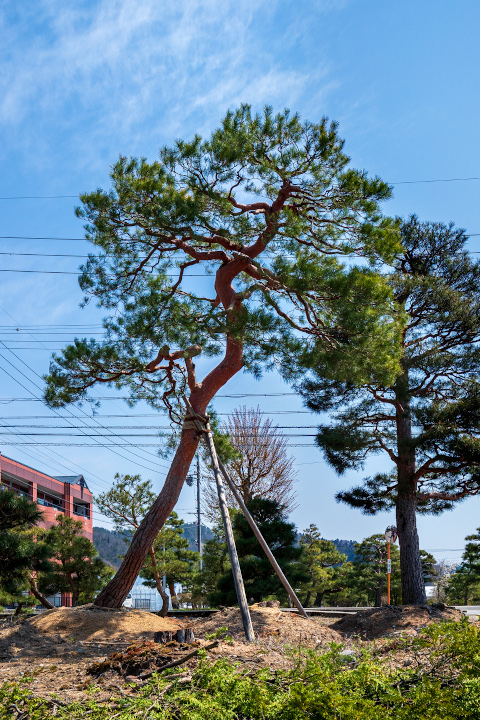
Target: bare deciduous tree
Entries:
(261, 466)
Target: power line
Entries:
(149, 427)
(126, 445)
(58, 414)
(399, 182)
(76, 272)
(440, 180)
(37, 197)
(66, 239)
(120, 397)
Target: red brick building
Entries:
(67, 494)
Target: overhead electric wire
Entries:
(398, 182)
(72, 414)
(77, 418)
(120, 397)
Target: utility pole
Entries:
(199, 518)
(189, 480)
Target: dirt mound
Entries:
(394, 620)
(269, 622)
(90, 623)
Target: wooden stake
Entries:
(388, 572)
(262, 542)
(227, 524)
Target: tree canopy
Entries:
(426, 422)
(259, 212)
(77, 567)
(20, 555)
(324, 566)
(465, 581)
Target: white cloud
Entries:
(118, 70)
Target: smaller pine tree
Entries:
(216, 563)
(323, 564)
(465, 582)
(174, 559)
(21, 556)
(77, 567)
(260, 579)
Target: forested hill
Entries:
(110, 544)
(345, 547)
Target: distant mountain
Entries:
(110, 543)
(345, 547)
(190, 532)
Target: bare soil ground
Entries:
(64, 652)
(394, 620)
(88, 622)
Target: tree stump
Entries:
(189, 635)
(162, 636)
(184, 635)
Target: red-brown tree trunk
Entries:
(413, 583)
(114, 594)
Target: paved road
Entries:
(469, 609)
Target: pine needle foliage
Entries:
(20, 555)
(427, 422)
(269, 201)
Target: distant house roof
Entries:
(72, 480)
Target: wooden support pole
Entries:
(206, 432)
(389, 570)
(263, 543)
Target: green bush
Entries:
(443, 683)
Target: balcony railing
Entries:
(51, 502)
(82, 510)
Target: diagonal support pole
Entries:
(206, 432)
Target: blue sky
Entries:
(83, 82)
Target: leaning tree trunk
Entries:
(173, 595)
(318, 599)
(118, 588)
(120, 585)
(158, 583)
(413, 583)
(39, 596)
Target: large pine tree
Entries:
(428, 421)
(258, 211)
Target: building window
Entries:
(9, 485)
(48, 500)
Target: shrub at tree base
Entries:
(442, 685)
